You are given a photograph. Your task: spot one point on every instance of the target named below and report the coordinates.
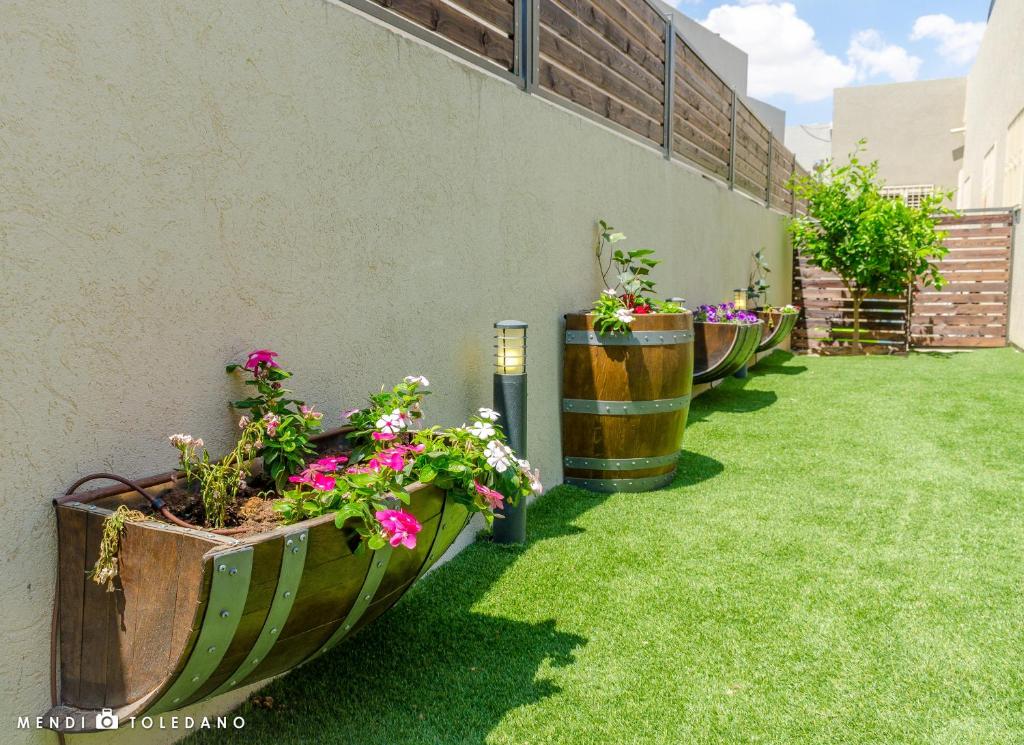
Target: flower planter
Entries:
(777, 328)
(721, 349)
(625, 401)
(197, 614)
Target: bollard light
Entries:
(510, 403)
(739, 299)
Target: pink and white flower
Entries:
(418, 380)
(244, 422)
(624, 315)
(331, 463)
(495, 499)
(400, 528)
(310, 413)
(260, 357)
(315, 479)
(393, 423)
(272, 422)
(488, 414)
(348, 414)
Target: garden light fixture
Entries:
(739, 299)
(510, 403)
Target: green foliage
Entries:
(105, 568)
(631, 293)
(289, 423)
(875, 244)
(757, 282)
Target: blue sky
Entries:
(800, 50)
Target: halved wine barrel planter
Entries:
(777, 328)
(720, 349)
(197, 614)
(625, 401)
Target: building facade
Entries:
(914, 131)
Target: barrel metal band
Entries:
(378, 568)
(630, 339)
(229, 589)
(624, 408)
(621, 464)
(648, 483)
(293, 560)
(437, 546)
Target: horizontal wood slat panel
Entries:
(462, 29)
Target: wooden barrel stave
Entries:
(325, 591)
(721, 349)
(777, 328)
(625, 402)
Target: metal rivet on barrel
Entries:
(222, 567)
(255, 660)
(295, 549)
(233, 570)
(348, 626)
(380, 564)
(273, 630)
(287, 593)
(224, 614)
(234, 682)
(289, 542)
(177, 699)
(302, 537)
(195, 678)
(366, 597)
(211, 650)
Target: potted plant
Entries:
(725, 338)
(627, 377)
(181, 586)
(778, 324)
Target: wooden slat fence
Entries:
(971, 310)
(620, 62)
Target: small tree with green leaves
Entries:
(877, 245)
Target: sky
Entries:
(801, 50)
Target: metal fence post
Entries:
(670, 52)
(525, 48)
(732, 144)
(771, 156)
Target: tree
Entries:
(874, 243)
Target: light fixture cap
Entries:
(510, 325)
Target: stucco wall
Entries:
(995, 96)
(182, 182)
(907, 126)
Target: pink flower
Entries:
(310, 413)
(390, 458)
(244, 421)
(359, 469)
(273, 422)
(260, 357)
(332, 463)
(399, 527)
(347, 415)
(314, 479)
(495, 500)
(383, 435)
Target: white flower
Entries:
(524, 465)
(198, 443)
(490, 414)
(609, 292)
(391, 423)
(535, 486)
(498, 456)
(418, 379)
(180, 440)
(347, 415)
(244, 421)
(623, 314)
(481, 430)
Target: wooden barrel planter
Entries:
(721, 349)
(196, 614)
(777, 328)
(625, 401)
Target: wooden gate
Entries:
(971, 310)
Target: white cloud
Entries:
(958, 42)
(785, 56)
(873, 57)
(787, 59)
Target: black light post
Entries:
(510, 403)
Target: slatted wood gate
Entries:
(972, 310)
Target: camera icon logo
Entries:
(106, 719)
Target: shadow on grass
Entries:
(432, 669)
(695, 468)
(779, 362)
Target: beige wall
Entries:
(182, 182)
(907, 126)
(995, 96)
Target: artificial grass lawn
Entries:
(840, 560)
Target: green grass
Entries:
(841, 560)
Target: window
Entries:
(912, 195)
(988, 179)
(1013, 182)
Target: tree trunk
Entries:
(858, 298)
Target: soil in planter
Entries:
(253, 509)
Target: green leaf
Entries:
(376, 542)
